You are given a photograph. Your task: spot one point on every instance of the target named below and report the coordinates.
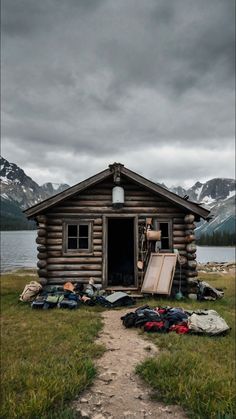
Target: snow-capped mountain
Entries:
(19, 191)
(218, 195)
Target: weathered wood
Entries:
(191, 248)
(97, 241)
(177, 227)
(97, 253)
(179, 220)
(41, 218)
(97, 248)
(61, 280)
(178, 233)
(191, 274)
(54, 235)
(179, 246)
(54, 247)
(73, 267)
(41, 264)
(97, 228)
(54, 241)
(190, 226)
(54, 221)
(66, 211)
(42, 273)
(41, 240)
(42, 256)
(189, 218)
(73, 274)
(56, 229)
(41, 248)
(191, 256)
(97, 234)
(192, 264)
(179, 240)
(71, 259)
(191, 238)
(41, 233)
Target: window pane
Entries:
(164, 229)
(83, 230)
(72, 230)
(83, 243)
(165, 243)
(72, 243)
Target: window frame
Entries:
(77, 251)
(157, 222)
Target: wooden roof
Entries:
(136, 178)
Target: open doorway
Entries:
(120, 252)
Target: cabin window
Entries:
(78, 236)
(166, 229)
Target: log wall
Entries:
(57, 267)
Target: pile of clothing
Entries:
(72, 296)
(175, 319)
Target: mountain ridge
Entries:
(19, 191)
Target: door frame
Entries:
(105, 248)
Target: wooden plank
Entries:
(160, 272)
(73, 274)
(72, 267)
(71, 259)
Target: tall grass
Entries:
(197, 372)
(47, 355)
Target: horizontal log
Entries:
(191, 274)
(192, 264)
(54, 254)
(106, 209)
(97, 241)
(97, 234)
(42, 225)
(61, 281)
(179, 246)
(41, 232)
(42, 256)
(189, 218)
(191, 248)
(179, 227)
(54, 235)
(190, 226)
(56, 228)
(179, 233)
(179, 240)
(41, 240)
(191, 256)
(54, 241)
(97, 248)
(71, 259)
(179, 220)
(41, 264)
(97, 228)
(41, 218)
(97, 253)
(52, 220)
(42, 273)
(73, 267)
(54, 247)
(73, 274)
(42, 248)
(191, 238)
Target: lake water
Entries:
(18, 250)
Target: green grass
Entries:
(47, 355)
(197, 372)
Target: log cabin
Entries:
(96, 229)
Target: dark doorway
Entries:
(120, 252)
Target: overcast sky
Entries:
(149, 84)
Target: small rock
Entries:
(98, 416)
(84, 414)
(83, 400)
(105, 377)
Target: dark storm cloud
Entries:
(104, 80)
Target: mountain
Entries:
(218, 195)
(18, 192)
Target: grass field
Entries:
(48, 358)
(197, 372)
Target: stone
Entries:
(84, 414)
(83, 400)
(98, 416)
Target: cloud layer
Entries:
(89, 82)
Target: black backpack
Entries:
(129, 319)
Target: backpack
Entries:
(30, 291)
(129, 320)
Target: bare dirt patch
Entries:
(117, 391)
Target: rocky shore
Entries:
(217, 267)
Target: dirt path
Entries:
(117, 392)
